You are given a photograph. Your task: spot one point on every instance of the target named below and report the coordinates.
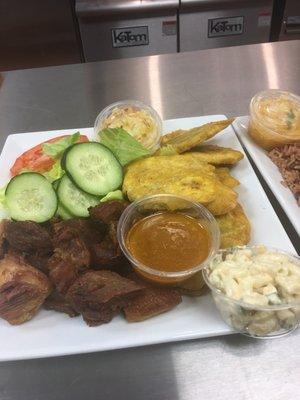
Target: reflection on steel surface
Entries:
(270, 65)
(154, 84)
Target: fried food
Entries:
(225, 201)
(178, 174)
(57, 302)
(181, 174)
(190, 160)
(3, 225)
(193, 286)
(108, 211)
(28, 237)
(217, 155)
(154, 300)
(183, 140)
(71, 257)
(225, 177)
(23, 290)
(101, 295)
(234, 227)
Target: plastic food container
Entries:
(256, 321)
(274, 118)
(138, 119)
(166, 203)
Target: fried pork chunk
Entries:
(58, 303)
(108, 212)
(28, 237)
(23, 290)
(71, 257)
(152, 301)
(83, 227)
(38, 260)
(107, 253)
(100, 295)
(3, 225)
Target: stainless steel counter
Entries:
(206, 82)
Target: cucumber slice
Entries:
(74, 200)
(30, 197)
(93, 168)
(63, 212)
(55, 183)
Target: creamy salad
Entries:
(137, 122)
(260, 278)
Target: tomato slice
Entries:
(35, 160)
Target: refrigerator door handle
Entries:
(291, 29)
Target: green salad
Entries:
(67, 175)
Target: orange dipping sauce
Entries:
(169, 242)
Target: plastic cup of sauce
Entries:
(168, 238)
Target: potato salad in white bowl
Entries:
(256, 289)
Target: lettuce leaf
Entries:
(2, 197)
(55, 150)
(54, 173)
(125, 147)
(115, 195)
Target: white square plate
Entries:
(269, 172)
(50, 333)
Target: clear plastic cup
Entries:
(148, 133)
(166, 203)
(274, 118)
(256, 321)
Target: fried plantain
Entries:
(194, 286)
(224, 176)
(187, 160)
(217, 155)
(225, 200)
(154, 180)
(181, 174)
(183, 140)
(234, 227)
(178, 174)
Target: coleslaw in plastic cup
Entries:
(138, 119)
